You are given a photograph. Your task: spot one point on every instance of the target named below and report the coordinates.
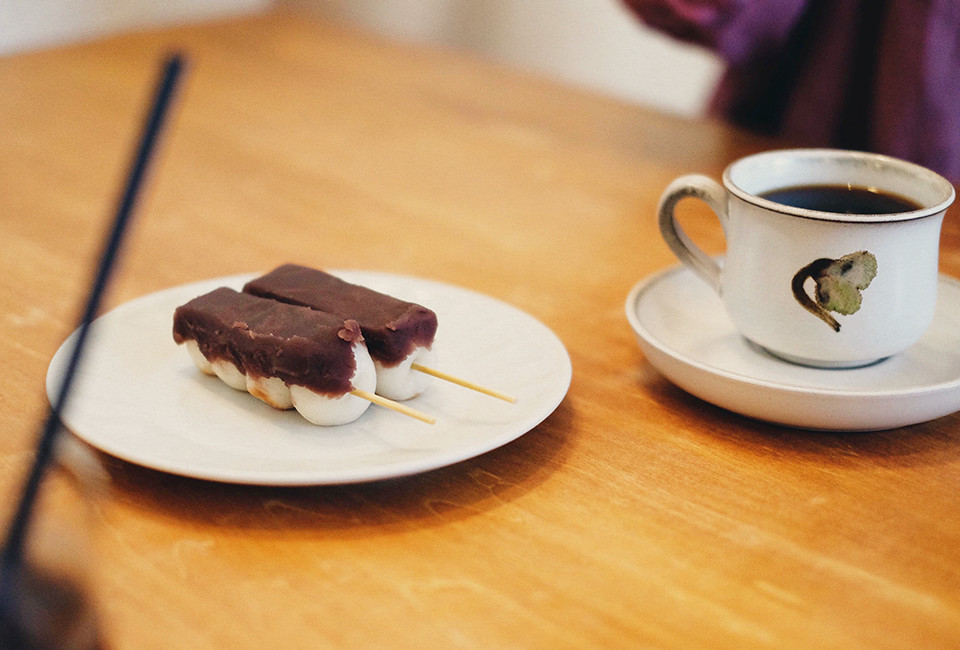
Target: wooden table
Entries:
(636, 515)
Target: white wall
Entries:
(31, 24)
(593, 43)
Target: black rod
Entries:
(11, 558)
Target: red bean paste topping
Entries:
(265, 338)
(351, 331)
(392, 328)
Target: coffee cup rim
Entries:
(944, 188)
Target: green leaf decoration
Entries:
(839, 284)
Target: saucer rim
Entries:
(708, 372)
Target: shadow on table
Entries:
(458, 491)
(929, 443)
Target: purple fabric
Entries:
(879, 75)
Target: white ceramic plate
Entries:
(685, 333)
(139, 397)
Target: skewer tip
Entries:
(439, 374)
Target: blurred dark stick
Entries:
(11, 559)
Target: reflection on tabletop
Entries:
(53, 604)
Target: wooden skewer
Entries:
(393, 406)
(439, 374)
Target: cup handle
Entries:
(710, 192)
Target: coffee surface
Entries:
(841, 199)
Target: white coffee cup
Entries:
(821, 288)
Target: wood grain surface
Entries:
(635, 516)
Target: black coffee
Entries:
(842, 199)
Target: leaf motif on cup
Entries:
(837, 285)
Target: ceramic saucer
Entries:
(686, 335)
